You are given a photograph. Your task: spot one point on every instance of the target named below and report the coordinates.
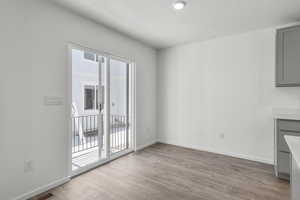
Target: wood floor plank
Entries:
(163, 171)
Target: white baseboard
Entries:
(231, 154)
(140, 147)
(246, 157)
(42, 189)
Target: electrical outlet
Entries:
(28, 166)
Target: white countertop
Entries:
(294, 145)
(286, 113)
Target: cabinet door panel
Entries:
(291, 55)
(283, 162)
(288, 57)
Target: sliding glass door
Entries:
(119, 106)
(102, 114)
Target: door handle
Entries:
(101, 106)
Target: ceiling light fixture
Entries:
(179, 5)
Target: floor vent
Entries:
(44, 196)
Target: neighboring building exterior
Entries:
(85, 78)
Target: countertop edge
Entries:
(294, 146)
(287, 117)
(286, 113)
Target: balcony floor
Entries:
(89, 156)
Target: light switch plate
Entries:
(53, 100)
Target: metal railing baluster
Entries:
(85, 133)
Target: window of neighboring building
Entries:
(90, 56)
(90, 97)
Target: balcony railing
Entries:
(119, 139)
(85, 133)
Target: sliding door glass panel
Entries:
(87, 116)
(119, 106)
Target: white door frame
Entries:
(132, 109)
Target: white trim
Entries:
(43, 189)
(107, 122)
(143, 146)
(98, 52)
(100, 103)
(132, 104)
(231, 154)
(246, 157)
(69, 108)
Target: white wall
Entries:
(222, 86)
(33, 64)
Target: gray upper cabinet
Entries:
(288, 57)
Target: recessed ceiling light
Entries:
(179, 5)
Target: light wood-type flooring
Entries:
(162, 172)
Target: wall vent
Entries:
(44, 196)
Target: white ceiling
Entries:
(156, 23)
